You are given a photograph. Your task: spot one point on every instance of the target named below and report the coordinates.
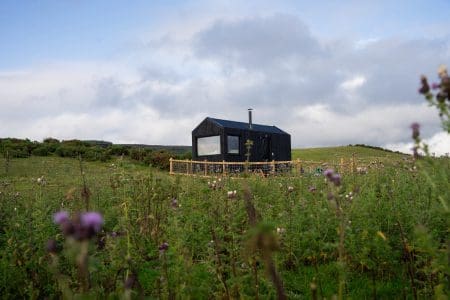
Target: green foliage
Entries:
(394, 225)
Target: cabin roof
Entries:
(244, 126)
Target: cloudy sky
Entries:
(328, 72)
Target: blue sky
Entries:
(36, 32)
(107, 69)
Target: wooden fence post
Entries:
(342, 167)
(206, 168)
(187, 167)
(273, 166)
(223, 168)
(171, 166)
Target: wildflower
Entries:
(415, 130)
(52, 246)
(92, 220)
(425, 88)
(41, 180)
(336, 179)
(231, 194)
(281, 230)
(174, 203)
(333, 177)
(442, 72)
(290, 189)
(312, 189)
(61, 217)
(67, 228)
(328, 173)
(163, 247)
(435, 86)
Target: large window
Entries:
(208, 145)
(233, 144)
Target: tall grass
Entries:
(379, 235)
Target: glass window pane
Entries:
(233, 144)
(208, 145)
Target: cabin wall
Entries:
(205, 129)
(266, 146)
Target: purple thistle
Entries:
(164, 247)
(336, 179)
(415, 130)
(312, 189)
(425, 88)
(328, 173)
(60, 217)
(52, 246)
(435, 86)
(174, 203)
(92, 220)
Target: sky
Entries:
(328, 72)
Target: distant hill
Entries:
(172, 149)
(362, 152)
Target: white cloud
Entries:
(354, 83)
(439, 144)
(323, 93)
(320, 125)
(363, 43)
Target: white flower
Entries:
(231, 194)
(281, 230)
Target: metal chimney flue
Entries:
(250, 124)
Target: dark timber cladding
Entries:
(218, 140)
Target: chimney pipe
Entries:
(250, 124)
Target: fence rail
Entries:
(271, 168)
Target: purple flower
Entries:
(163, 247)
(312, 189)
(415, 130)
(60, 217)
(92, 220)
(336, 179)
(174, 203)
(435, 86)
(328, 173)
(52, 246)
(425, 88)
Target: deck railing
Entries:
(270, 168)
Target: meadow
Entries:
(382, 235)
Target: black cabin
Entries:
(224, 140)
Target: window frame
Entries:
(209, 136)
(238, 144)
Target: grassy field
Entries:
(330, 154)
(379, 235)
